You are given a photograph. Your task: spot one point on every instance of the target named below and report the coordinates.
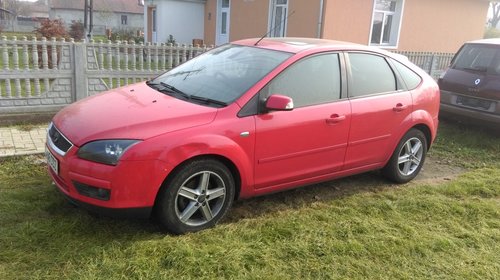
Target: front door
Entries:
(223, 17)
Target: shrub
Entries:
(171, 39)
(76, 30)
(126, 35)
(52, 28)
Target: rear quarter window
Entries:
(410, 78)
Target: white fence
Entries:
(44, 76)
(40, 76)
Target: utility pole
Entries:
(88, 20)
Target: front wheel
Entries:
(408, 158)
(196, 197)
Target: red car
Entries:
(245, 119)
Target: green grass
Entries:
(354, 228)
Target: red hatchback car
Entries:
(245, 119)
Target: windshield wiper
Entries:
(478, 68)
(175, 90)
(208, 100)
(164, 87)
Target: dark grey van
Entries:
(470, 88)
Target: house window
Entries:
(124, 20)
(278, 18)
(386, 22)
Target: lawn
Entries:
(358, 227)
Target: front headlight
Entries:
(105, 151)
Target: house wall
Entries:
(430, 25)
(250, 18)
(427, 25)
(183, 20)
(347, 20)
(304, 22)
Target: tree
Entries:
(14, 8)
(495, 18)
(52, 28)
(76, 30)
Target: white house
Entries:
(183, 19)
(108, 14)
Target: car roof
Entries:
(296, 45)
(493, 41)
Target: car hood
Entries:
(131, 112)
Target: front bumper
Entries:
(132, 185)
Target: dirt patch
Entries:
(436, 171)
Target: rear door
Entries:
(379, 107)
(310, 140)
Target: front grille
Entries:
(58, 140)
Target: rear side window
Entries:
(370, 74)
(476, 57)
(411, 79)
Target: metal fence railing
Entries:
(432, 63)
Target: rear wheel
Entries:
(196, 197)
(408, 158)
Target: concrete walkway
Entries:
(18, 140)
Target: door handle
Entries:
(335, 118)
(400, 107)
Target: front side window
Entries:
(370, 74)
(311, 81)
(278, 18)
(221, 75)
(386, 21)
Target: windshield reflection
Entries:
(222, 74)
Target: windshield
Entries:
(221, 75)
(482, 58)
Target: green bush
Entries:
(126, 35)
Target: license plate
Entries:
(52, 161)
(474, 103)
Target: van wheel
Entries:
(196, 197)
(408, 158)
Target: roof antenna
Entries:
(276, 27)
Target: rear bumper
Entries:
(473, 112)
(468, 115)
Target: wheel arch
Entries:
(427, 132)
(224, 160)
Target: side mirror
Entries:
(278, 102)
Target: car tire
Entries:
(408, 157)
(195, 197)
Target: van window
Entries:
(481, 58)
